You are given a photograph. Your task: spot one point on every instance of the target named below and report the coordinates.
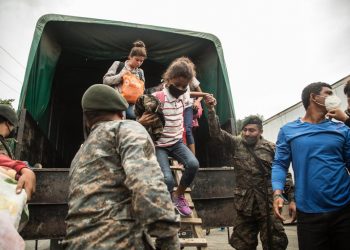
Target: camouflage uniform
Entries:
(117, 195)
(9, 143)
(249, 192)
(2, 149)
(151, 104)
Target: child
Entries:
(193, 98)
(176, 78)
(115, 73)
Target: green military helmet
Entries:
(7, 112)
(103, 97)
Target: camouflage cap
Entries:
(7, 112)
(103, 97)
(252, 119)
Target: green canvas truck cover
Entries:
(68, 54)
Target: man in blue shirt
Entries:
(319, 150)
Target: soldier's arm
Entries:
(111, 78)
(151, 201)
(289, 187)
(216, 132)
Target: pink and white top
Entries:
(173, 113)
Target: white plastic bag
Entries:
(12, 204)
(9, 237)
(13, 211)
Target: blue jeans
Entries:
(180, 152)
(130, 112)
(188, 119)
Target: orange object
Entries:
(132, 87)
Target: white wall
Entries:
(273, 124)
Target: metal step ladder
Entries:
(193, 221)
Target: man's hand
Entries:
(292, 211)
(278, 204)
(26, 181)
(147, 119)
(210, 101)
(338, 114)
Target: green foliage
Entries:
(7, 101)
(240, 121)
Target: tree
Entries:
(7, 101)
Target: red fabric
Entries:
(197, 116)
(160, 95)
(13, 164)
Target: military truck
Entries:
(67, 55)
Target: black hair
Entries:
(347, 89)
(312, 88)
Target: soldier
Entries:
(9, 238)
(117, 196)
(253, 156)
(25, 176)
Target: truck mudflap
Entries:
(48, 207)
(211, 192)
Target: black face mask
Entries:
(13, 133)
(250, 141)
(175, 92)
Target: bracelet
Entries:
(275, 196)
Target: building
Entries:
(274, 123)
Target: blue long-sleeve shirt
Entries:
(320, 156)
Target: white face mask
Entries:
(332, 102)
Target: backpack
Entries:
(132, 87)
(160, 95)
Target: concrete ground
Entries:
(217, 240)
